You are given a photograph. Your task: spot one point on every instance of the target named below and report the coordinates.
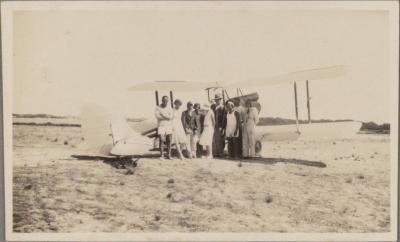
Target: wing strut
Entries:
(308, 103)
(157, 101)
(295, 105)
(227, 96)
(172, 99)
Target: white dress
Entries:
(230, 125)
(178, 133)
(208, 131)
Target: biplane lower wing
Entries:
(313, 131)
(144, 127)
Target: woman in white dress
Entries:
(206, 138)
(178, 133)
(231, 125)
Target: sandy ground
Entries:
(303, 186)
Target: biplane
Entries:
(113, 138)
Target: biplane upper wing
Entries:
(302, 75)
(172, 85)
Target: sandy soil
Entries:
(303, 186)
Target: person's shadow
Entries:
(272, 161)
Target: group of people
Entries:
(207, 128)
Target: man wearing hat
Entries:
(218, 139)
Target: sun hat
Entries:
(217, 96)
(230, 103)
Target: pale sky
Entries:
(65, 58)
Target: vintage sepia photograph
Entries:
(200, 120)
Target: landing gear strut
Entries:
(258, 147)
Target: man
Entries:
(231, 130)
(199, 121)
(250, 119)
(218, 139)
(191, 125)
(164, 116)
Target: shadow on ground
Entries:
(119, 162)
(272, 161)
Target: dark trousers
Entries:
(218, 143)
(233, 147)
(200, 151)
(240, 148)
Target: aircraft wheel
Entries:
(121, 162)
(130, 168)
(129, 161)
(258, 146)
(133, 162)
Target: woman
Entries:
(250, 120)
(231, 127)
(178, 133)
(206, 138)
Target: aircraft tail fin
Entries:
(110, 135)
(96, 129)
(126, 140)
(121, 130)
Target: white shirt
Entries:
(164, 116)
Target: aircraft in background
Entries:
(264, 133)
(108, 137)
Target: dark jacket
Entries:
(191, 123)
(198, 123)
(219, 114)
